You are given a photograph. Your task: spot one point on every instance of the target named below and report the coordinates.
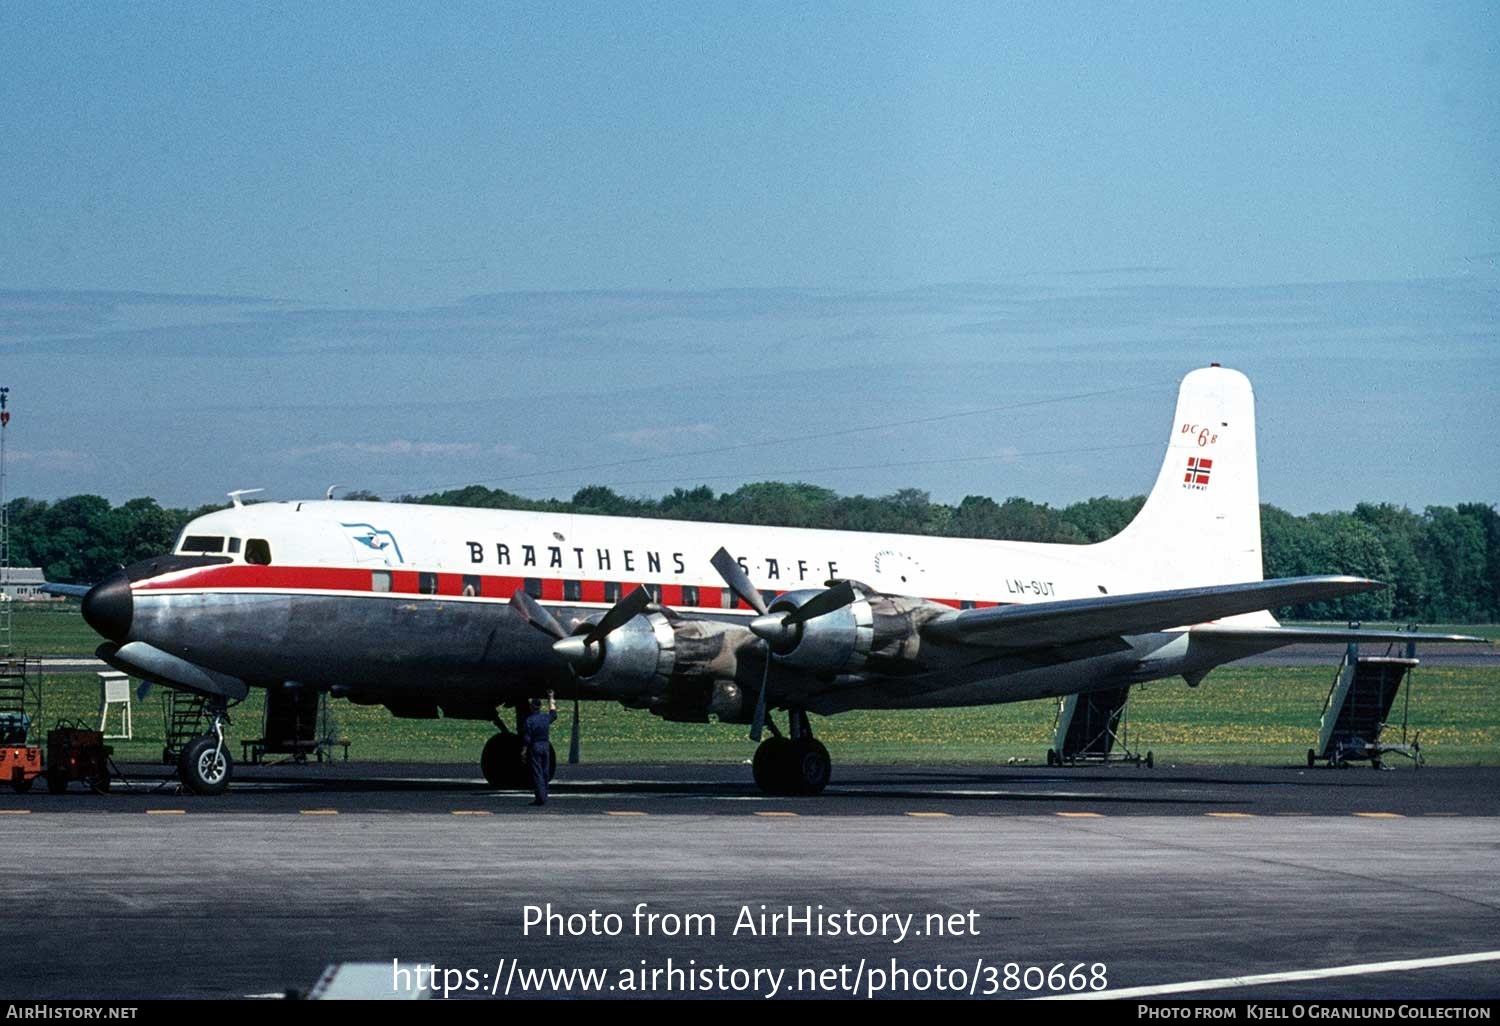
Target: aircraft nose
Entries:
(108, 607)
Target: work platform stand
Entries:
(1358, 709)
(1095, 727)
(20, 689)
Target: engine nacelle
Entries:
(660, 663)
(879, 633)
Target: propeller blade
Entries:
(837, 597)
(142, 691)
(738, 580)
(534, 613)
(573, 742)
(758, 721)
(621, 613)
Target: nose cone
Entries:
(108, 607)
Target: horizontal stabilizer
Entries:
(1043, 624)
(70, 590)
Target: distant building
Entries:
(23, 584)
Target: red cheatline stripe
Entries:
(411, 582)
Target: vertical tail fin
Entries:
(1201, 523)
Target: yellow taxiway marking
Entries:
(15, 812)
(1081, 815)
(930, 815)
(166, 812)
(775, 814)
(1380, 815)
(319, 812)
(1231, 815)
(472, 812)
(624, 812)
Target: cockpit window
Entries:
(201, 543)
(258, 551)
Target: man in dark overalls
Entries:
(535, 748)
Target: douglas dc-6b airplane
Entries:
(466, 612)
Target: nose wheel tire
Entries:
(205, 766)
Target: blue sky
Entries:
(401, 247)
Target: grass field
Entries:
(1256, 715)
(1241, 716)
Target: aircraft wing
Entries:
(1260, 636)
(71, 590)
(1048, 624)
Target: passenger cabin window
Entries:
(202, 543)
(234, 546)
(380, 580)
(427, 583)
(258, 551)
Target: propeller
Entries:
(579, 650)
(534, 613)
(775, 628)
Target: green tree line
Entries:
(1443, 564)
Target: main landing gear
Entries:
(204, 767)
(795, 765)
(500, 760)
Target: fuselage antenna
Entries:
(234, 496)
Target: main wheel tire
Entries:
(1312, 757)
(767, 765)
(808, 767)
(1150, 761)
(500, 763)
(57, 781)
(22, 784)
(205, 766)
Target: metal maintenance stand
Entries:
(1090, 725)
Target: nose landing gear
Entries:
(205, 767)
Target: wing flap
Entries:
(1042, 624)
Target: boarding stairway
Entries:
(1090, 725)
(1358, 708)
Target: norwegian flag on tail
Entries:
(1198, 470)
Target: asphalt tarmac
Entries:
(1160, 877)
